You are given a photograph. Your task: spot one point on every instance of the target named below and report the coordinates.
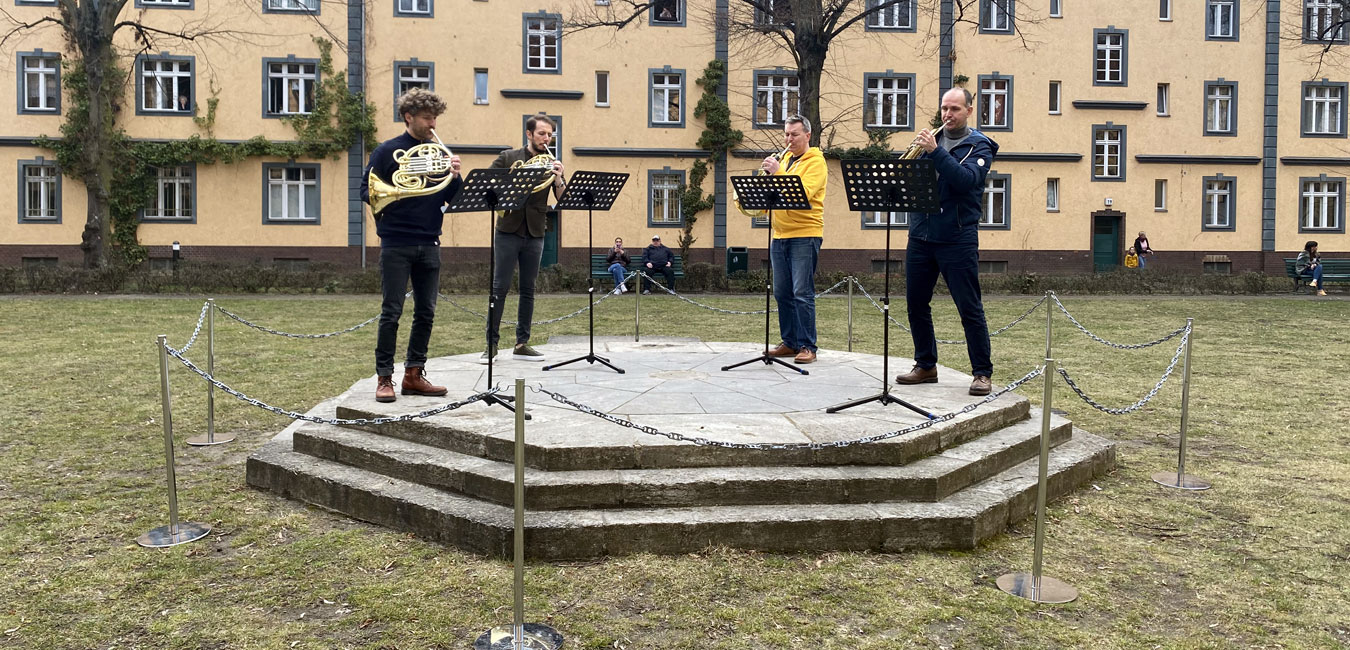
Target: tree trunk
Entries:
(91, 31)
(812, 45)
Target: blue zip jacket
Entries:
(961, 174)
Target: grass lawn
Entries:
(1259, 561)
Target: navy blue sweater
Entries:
(961, 173)
(413, 221)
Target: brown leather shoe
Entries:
(783, 351)
(917, 375)
(384, 389)
(805, 356)
(415, 383)
(981, 385)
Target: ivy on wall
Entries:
(717, 138)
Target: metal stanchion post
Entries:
(851, 280)
(210, 438)
(1179, 479)
(520, 635)
(637, 306)
(175, 533)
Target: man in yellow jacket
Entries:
(796, 243)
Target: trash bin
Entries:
(738, 259)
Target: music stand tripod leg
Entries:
(490, 399)
(766, 358)
(591, 357)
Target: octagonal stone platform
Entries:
(594, 487)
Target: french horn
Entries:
(422, 170)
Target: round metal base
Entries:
(537, 637)
(161, 537)
(217, 439)
(1187, 481)
(1023, 586)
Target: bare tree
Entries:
(1319, 33)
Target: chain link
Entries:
(333, 421)
(996, 332)
(1121, 346)
(1139, 404)
(269, 330)
(732, 311)
(679, 437)
(201, 318)
(605, 296)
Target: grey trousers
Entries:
(512, 251)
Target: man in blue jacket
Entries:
(948, 243)
(410, 249)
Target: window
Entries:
(992, 266)
(413, 8)
(667, 12)
(543, 43)
(601, 88)
(881, 266)
(1221, 20)
(778, 13)
(996, 15)
(995, 201)
(162, 4)
(888, 101)
(1164, 100)
(871, 219)
(1160, 195)
(1164, 9)
(1052, 195)
(1324, 21)
(292, 194)
(667, 97)
(1216, 266)
(776, 98)
(995, 102)
(1320, 207)
(175, 195)
(480, 86)
(310, 6)
(40, 82)
(1324, 109)
(164, 84)
(40, 198)
(1220, 107)
(39, 262)
(1056, 11)
(1220, 192)
(413, 74)
(663, 199)
(290, 86)
(1055, 98)
(891, 14)
(1112, 56)
(1108, 152)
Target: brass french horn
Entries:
(422, 170)
(541, 161)
(759, 171)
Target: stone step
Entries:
(961, 520)
(558, 440)
(928, 479)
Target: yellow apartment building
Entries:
(1219, 127)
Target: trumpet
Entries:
(422, 170)
(736, 200)
(915, 149)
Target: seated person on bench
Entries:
(658, 259)
(618, 261)
(1309, 265)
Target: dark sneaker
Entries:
(524, 352)
(491, 352)
(981, 385)
(918, 375)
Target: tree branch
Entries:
(21, 26)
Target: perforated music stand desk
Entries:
(769, 193)
(486, 190)
(591, 191)
(888, 186)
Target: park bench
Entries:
(1333, 270)
(600, 269)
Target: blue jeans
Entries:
(959, 265)
(794, 288)
(619, 270)
(398, 265)
(1143, 260)
(1316, 274)
(513, 250)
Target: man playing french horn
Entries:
(519, 239)
(409, 227)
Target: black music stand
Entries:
(486, 190)
(777, 192)
(888, 186)
(592, 191)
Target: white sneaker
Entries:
(623, 288)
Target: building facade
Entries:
(1219, 127)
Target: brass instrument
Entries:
(915, 149)
(540, 161)
(736, 200)
(422, 170)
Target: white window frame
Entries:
(1322, 111)
(766, 18)
(1056, 8)
(1160, 195)
(173, 187)
(543, 44)
(677, 5)
(997, 15)
(667, 96)
(178, 4)
(1218, 204)
(1220, 105)
(1165, 10)
(1221, 19)
(1056, 97)
(278, 180)
(897, 16)
(1107, 159)
(296, 81)
(1164, 100)
(1110, 51)
(41, 181)
(889, 102)
(1321, 204)
(291, 5)
(995, 195)
(664, 198)
(773, 92)
(38, 71)
(602, 88)
(166, 78)
(1052, 195)
(1323, 14)
(995, 93)
(413, 75)
(873, 219)
(412, 7)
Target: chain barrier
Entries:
(994, 333)
(269, 330)
(333, 421)
(1139, 404)
(732, 311)
(679, 437)
(201, 318)
(605, 295)
(1121, 346)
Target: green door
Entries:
(1106, 253)
(550, 241)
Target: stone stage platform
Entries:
(594, 487)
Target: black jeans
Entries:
(667, 271)
(513, 250)
(422, 265)
(959, 265)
